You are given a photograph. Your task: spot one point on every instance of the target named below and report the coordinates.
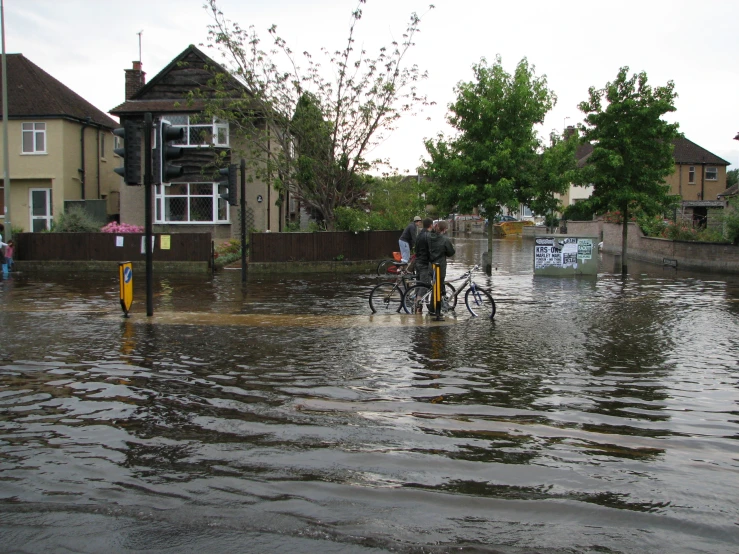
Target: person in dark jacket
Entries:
(440, 247)
(422, 252)
(408, 239)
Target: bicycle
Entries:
(394, 266)
(388, 296)
(478, 300)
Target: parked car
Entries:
(504, 218)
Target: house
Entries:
(192, 202)
(699, 178)
(60, 150)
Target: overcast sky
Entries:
(86, 44)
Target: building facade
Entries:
(60, 150)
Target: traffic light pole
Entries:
(243, 220)
(147, 213)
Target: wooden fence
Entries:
(115, 247)
(321, 247)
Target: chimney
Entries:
(569, 131)
(135, 79)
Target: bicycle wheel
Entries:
(414, 298)
(388, 267)
(450, 298)
(480, 303)
(386, 298)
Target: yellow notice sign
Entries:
(164, 242)
(125, 274)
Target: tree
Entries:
(302, 131)
(555, 170)
(492, 161)
(632, 147)
(732, 177)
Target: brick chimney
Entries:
(135, 79)
(570, 131)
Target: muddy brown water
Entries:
(593, 415)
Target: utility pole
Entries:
(147, 213)
(6, 155)
(242, 207)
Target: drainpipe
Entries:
(82, 154)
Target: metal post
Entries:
(243, 220)
(6, 155)
(147, 213)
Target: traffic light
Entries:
(130, 152)
(230, 183)
(169, 133)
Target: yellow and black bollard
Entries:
(125, 274)
(436, 288)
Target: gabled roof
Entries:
(167, 90)
(33, 93)
(688, 152)
(685, 152)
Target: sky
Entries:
(87, 44)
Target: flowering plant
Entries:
(114, 227)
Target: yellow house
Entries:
(699, 177)
(60, 149)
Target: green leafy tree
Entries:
(732, 177)
(555, 171)
(492, 161)
(308, 130)
(632, 147)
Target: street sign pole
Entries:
(147, 213)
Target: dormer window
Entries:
(199, 132)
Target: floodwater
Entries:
(592, 415)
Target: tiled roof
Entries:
(167, 90)
(733, 190)
(688, 152)
(34, 93)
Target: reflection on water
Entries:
(593, 415)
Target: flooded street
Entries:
(592, 415)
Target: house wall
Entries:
(58, 168)
(679, 182)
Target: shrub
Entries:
(731, 222)
(227, 252)
(114, 227)
(651, 226)
(350, 219)
(75, 220)
(579, 211)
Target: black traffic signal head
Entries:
(230, 183)
(169, 133)
(130, 152)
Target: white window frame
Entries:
(217, 128)
(36, 129)
(219, 205)
(714, 170)
(49, 215)
(117, 143)
(691, 175)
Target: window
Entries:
(201, 133)
(190, 203)
(117, 142)
(711, 174)
(34, 138)
(102, 144)
(691, 175)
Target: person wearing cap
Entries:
(408, 239)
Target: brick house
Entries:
(60, 150)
